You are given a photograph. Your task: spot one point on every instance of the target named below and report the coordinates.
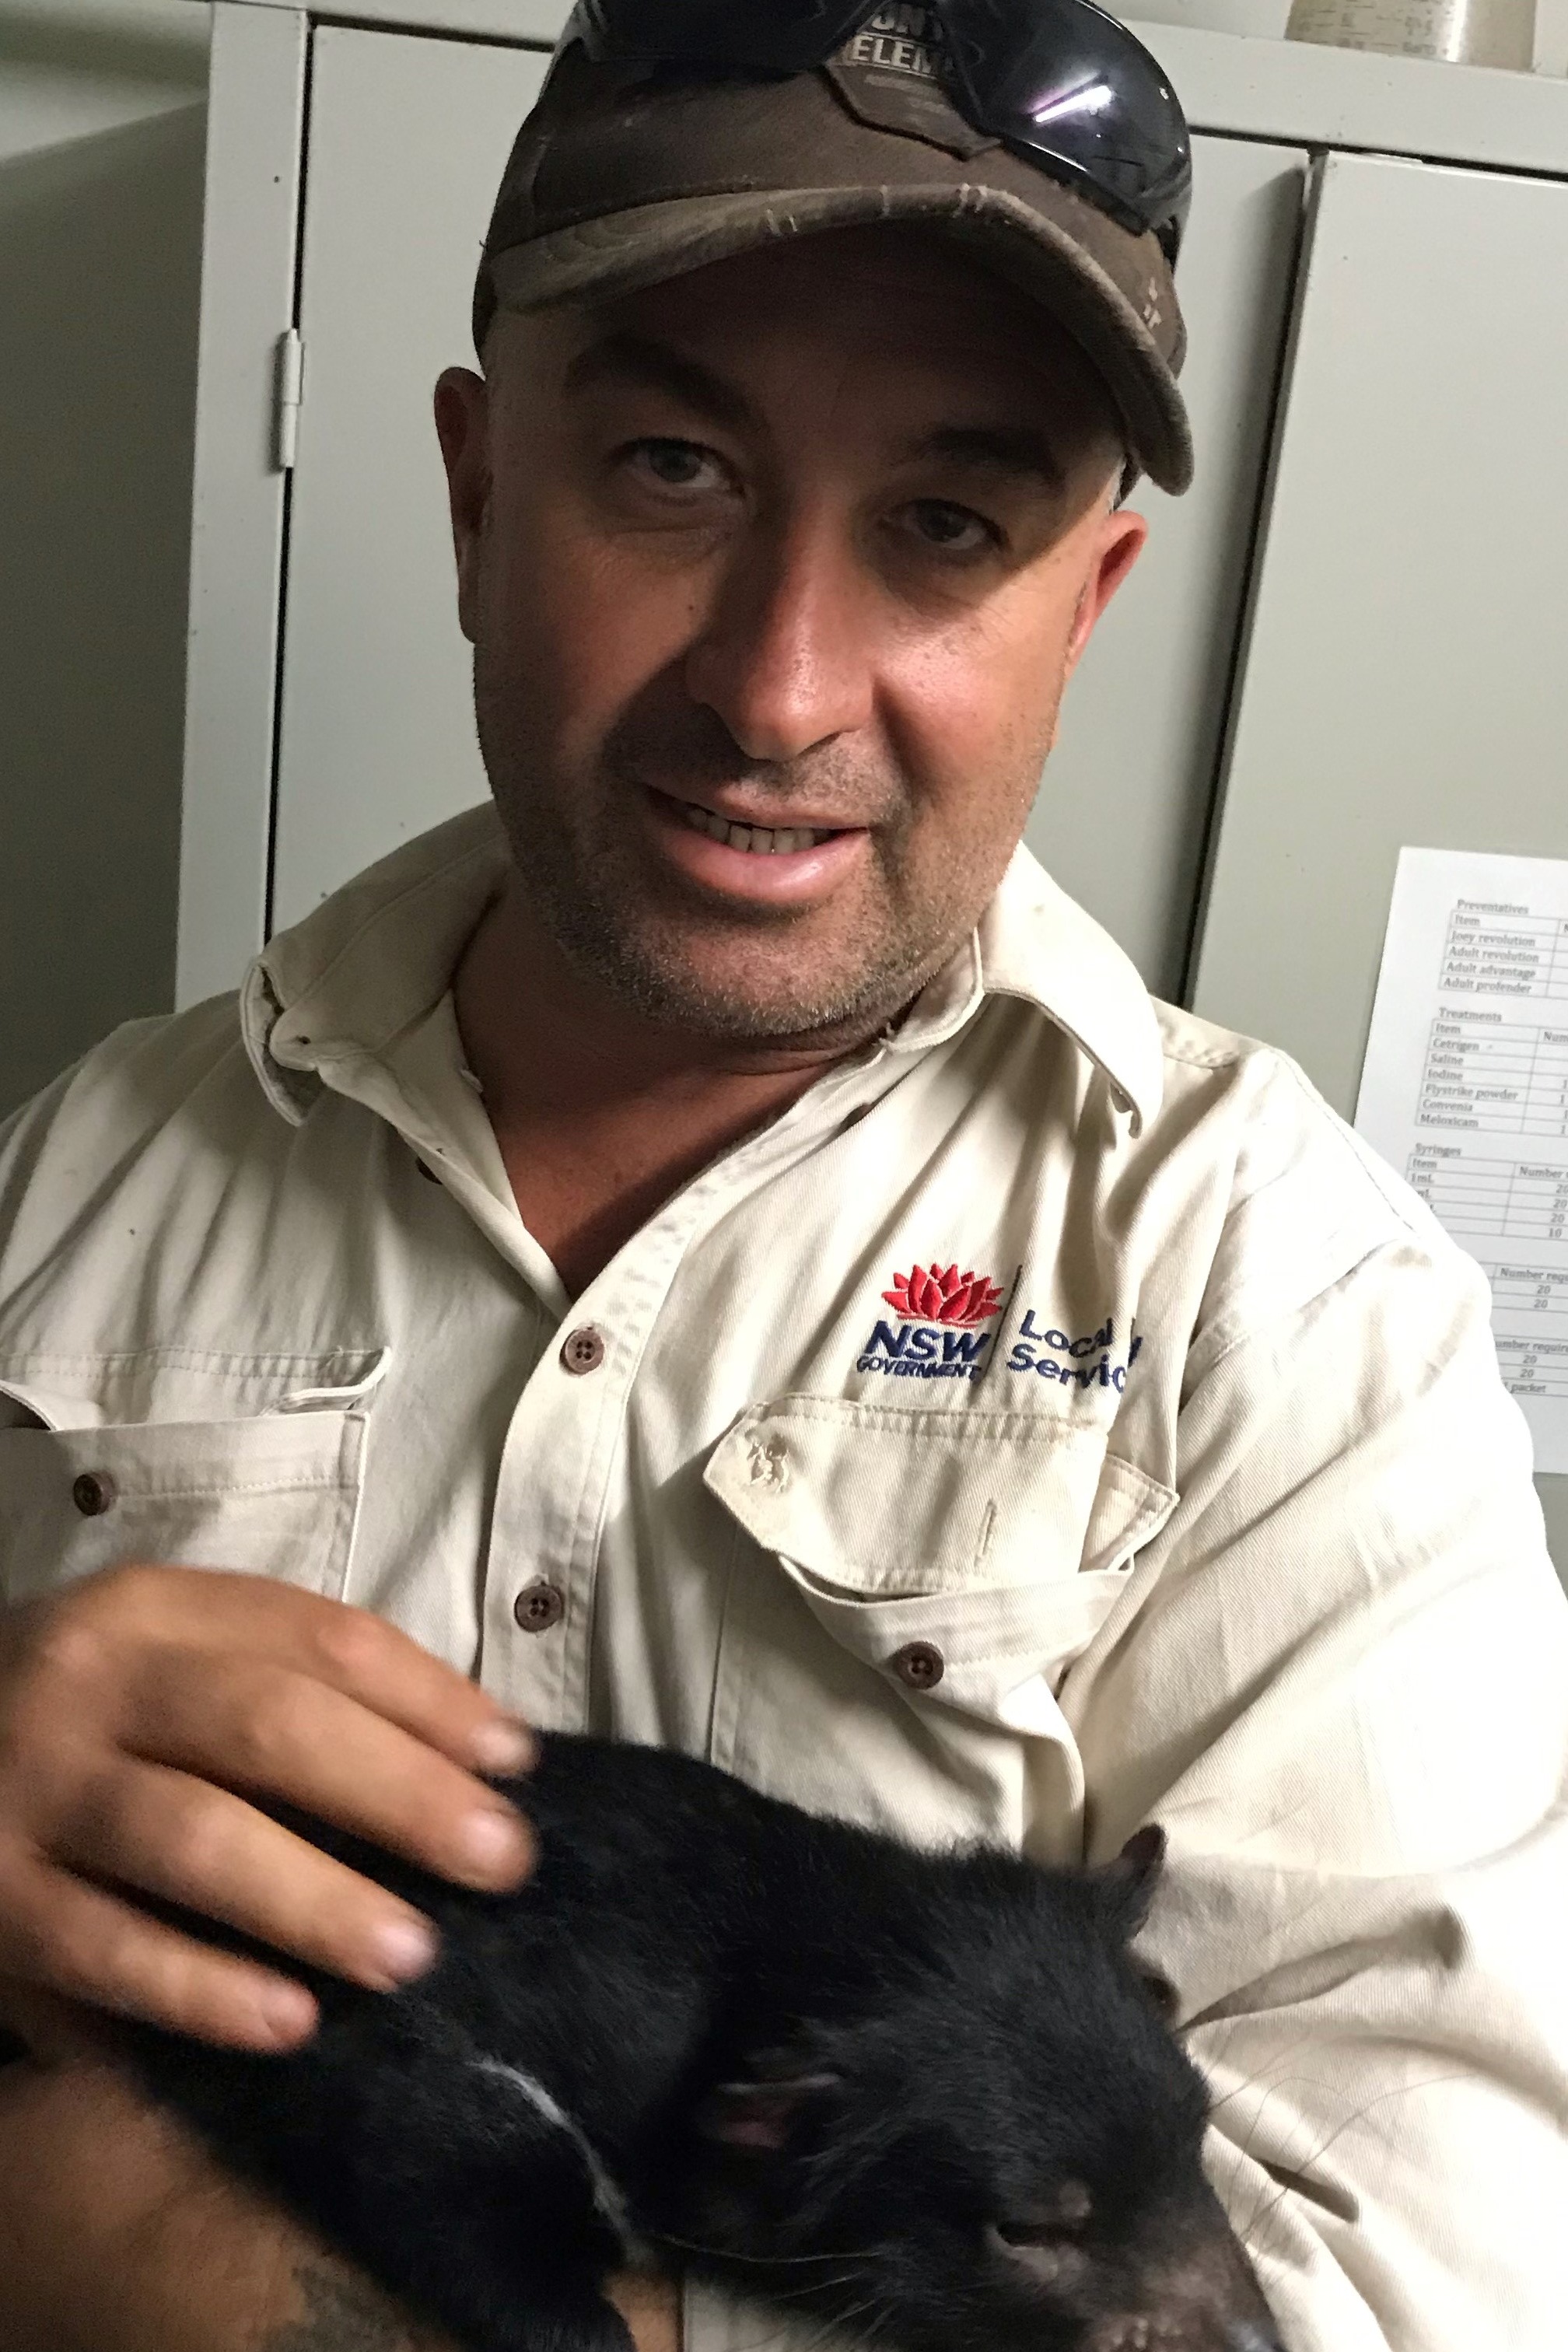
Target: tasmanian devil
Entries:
(923, 2097)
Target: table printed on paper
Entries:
(1464, 1091)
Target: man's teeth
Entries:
(762, 841)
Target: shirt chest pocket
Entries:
(964, 1556)
(105, 1461)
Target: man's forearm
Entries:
(339, 2311)
(116, 2234)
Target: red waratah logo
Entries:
(942, 1295)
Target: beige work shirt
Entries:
(1055, 1421)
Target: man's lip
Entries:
(788, 820)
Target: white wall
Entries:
(101, 109)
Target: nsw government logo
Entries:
(939, 1334)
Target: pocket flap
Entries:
(178, 1456)
(24, 1405)
(190, 1384)
(897, 1500)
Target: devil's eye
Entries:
(1056, 2217)
(1164, 1995)
(1028, 2233)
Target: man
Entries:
(728, 1255)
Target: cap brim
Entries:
(620, 252)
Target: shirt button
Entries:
(538, 1606)
(93, 1493)
(584, 1350)
(920, 1665)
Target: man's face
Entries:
(774, 575)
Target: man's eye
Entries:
(677, 464)
(953, 530)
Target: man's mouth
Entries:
(757, 840)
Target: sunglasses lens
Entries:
(1063, 81)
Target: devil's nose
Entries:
(1242, 2335)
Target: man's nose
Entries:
(785, 656)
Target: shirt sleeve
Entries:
(1344, 1692)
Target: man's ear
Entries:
(1121, 540)
(759, 2114)
(462, 427)
(1127, 1885)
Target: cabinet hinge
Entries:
(289, 380)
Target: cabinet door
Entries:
(1404, 680)
(1124, 808)
(1405, 674)
(406, 138)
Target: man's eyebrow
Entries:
(995, 449)
(640, 360)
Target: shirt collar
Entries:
(1037, 943)
(376, 956)
(371, 959)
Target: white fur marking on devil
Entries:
(607, 2197)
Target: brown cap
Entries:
(626, 173)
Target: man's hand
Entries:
(136, 1704)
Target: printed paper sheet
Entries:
(1464, 1091)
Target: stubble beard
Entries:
(583, 884)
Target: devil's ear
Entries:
(759, 2114)
(1127, 1883)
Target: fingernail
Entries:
(287, 2013)
(492, 1840)
(406, 1947)
(504, 1746)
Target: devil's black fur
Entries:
(922, 2095)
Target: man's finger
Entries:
(170, 1836)
(363, 1657)
(264, 1728)
(77, 1941)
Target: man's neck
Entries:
(600, 1114)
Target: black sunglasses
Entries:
(1057, 80)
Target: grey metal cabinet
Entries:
(407, 139)
(1345, 638)
(404, 140)
(350, 169)
(1404, 676)
(1124, 803)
